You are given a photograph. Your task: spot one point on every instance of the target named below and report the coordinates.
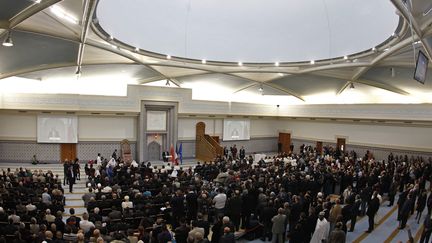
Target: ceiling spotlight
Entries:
(240, 63)
(374, 49)
(352, 86)
(261, 89)
(8, 41)
(38, 1)
(111, 37)
(168, 57)
(78, 71)
(281, 74)
(276, 64)
(167, 83)
(136, 49)
(345, 57)
(312, 62)
(203, 61)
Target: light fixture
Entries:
(136, 49)
(8, 41)
(281, 74)
(352, 86)
(374, 49)
(167, 83)
(261, 89)
(240, 63)
(276, 64)
(168, 57)
(78, 72)
(345, 57)
(38, 1)
(203, 61)
(312, 62)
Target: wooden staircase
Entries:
(206, 148)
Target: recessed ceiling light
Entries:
(374, 49)
(281, 74)
(203, 61)
(276, 64)
(111, 37)
(168, 57)
(38, 1)
(312, 62)
(386, 49)
(136, 49)
(261, 89)
(240, 63)
(345, 57)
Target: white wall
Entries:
(90, 128)
(214, 127)
(18, 127)
(187, 127)
(107, 128)
(386, 136)
(398, 137)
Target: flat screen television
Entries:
(421, 67)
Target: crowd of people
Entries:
(303, 197)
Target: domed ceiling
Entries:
(289, 52)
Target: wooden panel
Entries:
(319, 146)
(68, 151)
(206, 148)
(285, 142)
(216, 138)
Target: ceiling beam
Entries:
(406, 13)
(30, 11)
(384, 86)
(89, 8)
(285, 90)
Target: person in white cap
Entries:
(322, 229)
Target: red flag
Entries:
(172, 153)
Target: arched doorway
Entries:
(154, 151)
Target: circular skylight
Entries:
(250, 30)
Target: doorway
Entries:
(68, 151)
(341, 143)
(154, 151)
(284, 143)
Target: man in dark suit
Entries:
(70, 178)
(278, 228)
(372, 210)
(242, 153)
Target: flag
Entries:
(173, 154)
(177, 152)
(180, 153)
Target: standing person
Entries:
(322, 229)
(76, 169)
(278, 228)
(355, 212)
(219, 202)
(65, 170)
(405, 211)
(114, 154)
(337, 235)
(242, 153)
(427, 229)
(421, 204)
(70, 178)
(234, 208)
(99, 161)
(372, 209)
(234, 152)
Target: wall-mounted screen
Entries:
(421, 67)
(234, 129)
(57, 129)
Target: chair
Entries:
(126, 153)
